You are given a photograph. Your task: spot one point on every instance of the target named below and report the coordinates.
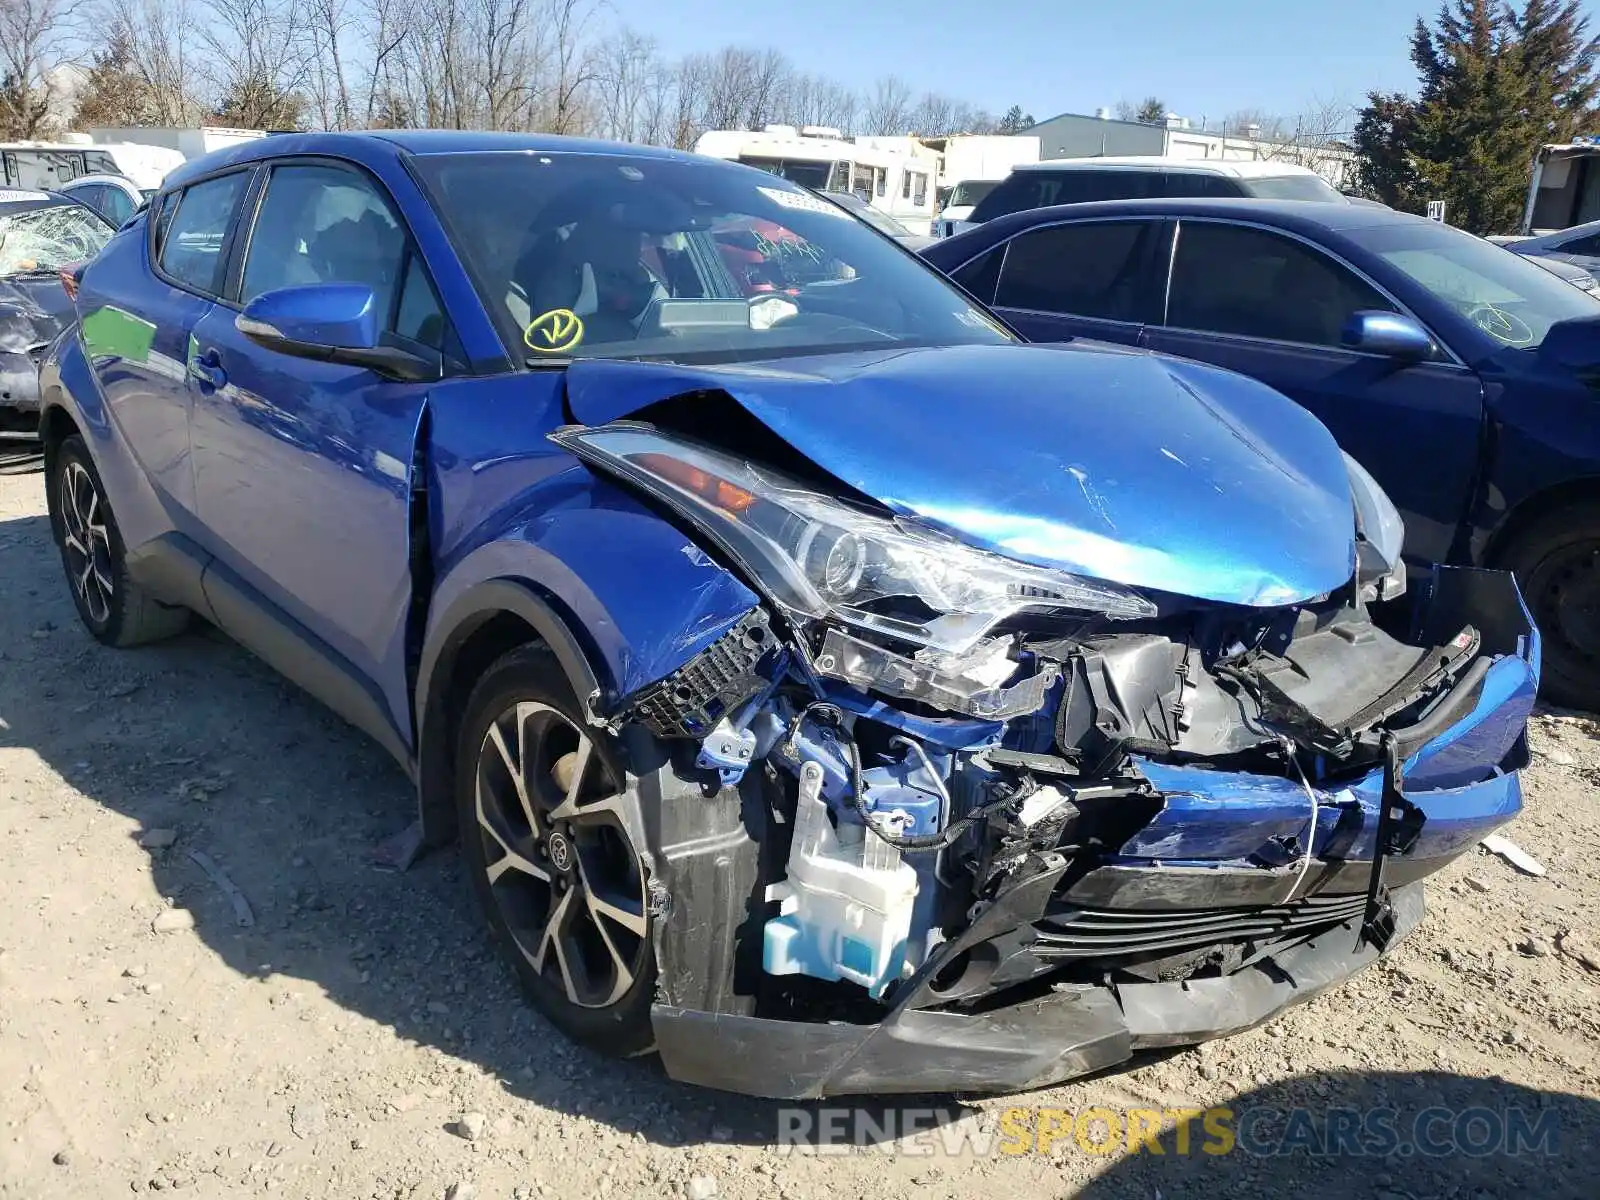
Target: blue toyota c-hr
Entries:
(827, 690)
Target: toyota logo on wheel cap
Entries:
(560, 852)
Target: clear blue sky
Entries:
(1209, 57)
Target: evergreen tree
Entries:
(1494, 84)
(1152, 111)
(1015, 120)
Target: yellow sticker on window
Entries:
(554, 332)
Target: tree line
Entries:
(554, 66)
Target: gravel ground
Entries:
(359, 1039)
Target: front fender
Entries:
(640, 596)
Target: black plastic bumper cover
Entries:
(1070, 1032)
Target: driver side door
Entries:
(303, 468)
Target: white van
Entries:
(1144, 177)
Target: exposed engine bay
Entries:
(984, 778)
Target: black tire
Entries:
(595, 982)
(1557, 564)
(115, 609)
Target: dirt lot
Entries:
(331, 1048)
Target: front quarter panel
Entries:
(508, 505)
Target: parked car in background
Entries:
(957, 202)
(1579, 246)
(39, 235)
(1577, 276)
(1139, 177)
(829, 691)
(114, 197)
(1464, 378)
(882, 222)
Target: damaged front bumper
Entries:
(1172, 898)
(1068, 1031)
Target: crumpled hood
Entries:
(32, 309)
(1143, 470)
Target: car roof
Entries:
(417, 142)
(105, 177)
(1561, 235)
(1289, 214)
(1238, 169)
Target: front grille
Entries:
(1098, 933)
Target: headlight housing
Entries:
(817, 556)
(1384, 532)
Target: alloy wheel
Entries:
(85, 542)
(560, 864)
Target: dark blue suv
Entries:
(827, 690)
(1464, 378)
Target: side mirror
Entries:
(333, 322)
(1389, 334)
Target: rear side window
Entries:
(1202, 184)
(1250, 282)
(1583, 245)
(116, 204)
(1087, 269)
(194, 237)
(1027, 190)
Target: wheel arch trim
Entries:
(450, 629)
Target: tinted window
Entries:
(1202, 183)
(116, 204)
(1294, 187)
(1090, 269)
(92, 194)
(981, 274)
(685, 260)
(1026, 190)
(418, 315)
(192, 249)
(1583, 245)
(323, 225)
(1240, 280)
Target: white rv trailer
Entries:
(899, 182)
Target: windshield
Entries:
(1294, 187)
(49, 237)
(970, 192)
(617, 257)
(806, 172)
(882, 222)
(1503, 294)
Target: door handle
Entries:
(207, 368)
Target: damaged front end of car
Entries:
(1006, 823)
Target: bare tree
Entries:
(34, 35)
(566, 24)
(1317, 137)
(888, 108)
(933, 116)
(257, 67)
(329, 30)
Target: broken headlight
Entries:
(819, 557)
(1380, 570)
